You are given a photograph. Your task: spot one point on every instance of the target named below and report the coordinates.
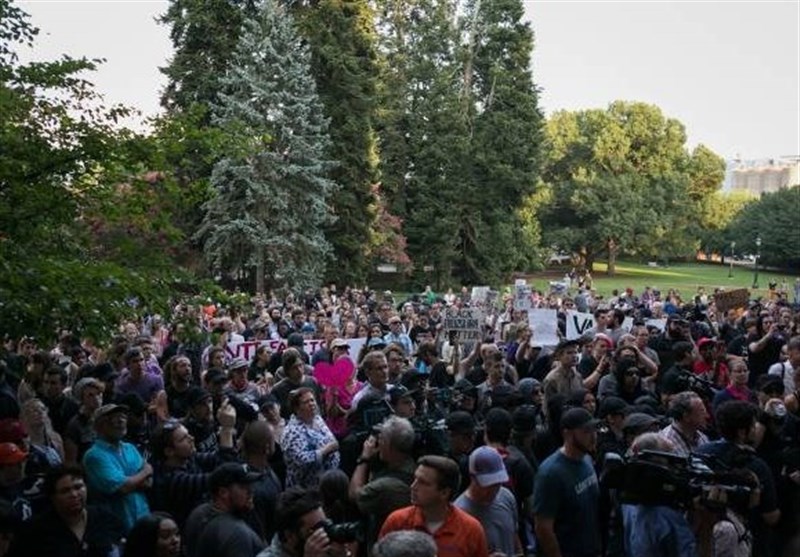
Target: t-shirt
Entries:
(228, 536)
(459, 536)
(107, 469)
(567, 491)
(499, 519)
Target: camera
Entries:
(346, 532)
(688, 381)
(659, 478)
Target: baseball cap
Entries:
(486, 464)
(399, 391)
(225, 475)
(524, 419)
(339, 343)
(237, 363)
(215, 376)
(703, 342)
(196, 395)
(638, 422)
(460, 422)
(108, 409)
(10, 453)
(578, 418)
(11, 431)
(612, 405)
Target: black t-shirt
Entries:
(49, 535)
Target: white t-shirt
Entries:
(785, 370)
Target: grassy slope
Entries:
(685, 277)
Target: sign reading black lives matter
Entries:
(467, 323)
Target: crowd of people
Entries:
(164, 442)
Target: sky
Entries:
(729, 70)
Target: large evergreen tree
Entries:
(341, 36)
(422, 129)
(271, 187)
(204, 35)
(505, 139)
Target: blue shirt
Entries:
(656, 531)
(107, 468)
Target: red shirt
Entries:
(461, 535)
(706, 370)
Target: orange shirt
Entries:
(461, 535)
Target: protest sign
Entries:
(731, 299)
(248, 348)
(578, 323)
(544, 327)
(522, 297)
(467, 323)
(479, 295)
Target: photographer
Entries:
(736, 421)
(381, 482)
(301, 528)
(656, 530)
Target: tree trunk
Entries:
(612, 257)
(260, 272)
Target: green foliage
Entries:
(622, 181)
(204, 35)
(773, 218)
(271, 185)
(422, 128)
(341, 37)
(504, 143)
(61, 163)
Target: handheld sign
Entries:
(467, 323)
(731, 299)
(544, 326)
(578, 323)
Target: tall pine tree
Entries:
(421, 128)
(204, 35)
(506, 138)
(272, 190)
(341, 36)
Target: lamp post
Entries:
(730, 269)
(758, 256)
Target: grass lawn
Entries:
(684, 277)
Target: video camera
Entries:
(659, 478)
(688, 381)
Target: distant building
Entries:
(761, 176)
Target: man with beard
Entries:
(566, 496)
(217, 528)
(676, 330)
(300, 532)
(179, 374)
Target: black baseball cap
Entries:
(399, 391)
(460, 422)
(225, 475)
(578, 418)
(196, 395)
(612, 405)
